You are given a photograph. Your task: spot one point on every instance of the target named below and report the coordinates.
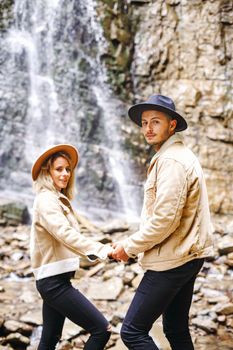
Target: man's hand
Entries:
(118, 253)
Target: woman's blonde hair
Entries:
(44, 179)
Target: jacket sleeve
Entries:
(54, 221)
(170, 199)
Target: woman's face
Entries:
(60, 172)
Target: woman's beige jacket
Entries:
(56, 242)
(175, 221)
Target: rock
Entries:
(158, 336)
(13, 212)
(221, 299)
(128, 277)
(1, 321)
(221, 319)
(229, 322)
(206, 324)
(17, 339)
(115, 226)
(229, 260)
(225, 309)
(112, 288)
(117, 318)
(33, 317)
(70, 330)
(225, 246)
(137, 280)
(119, 345)
(13, 326)
(107, 290)
(6, 347)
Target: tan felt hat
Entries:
(69, 149)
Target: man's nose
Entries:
(149, 127)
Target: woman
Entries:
(55, 246)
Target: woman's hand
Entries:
(118, 253)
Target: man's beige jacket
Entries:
(56, 242)
(175, 221)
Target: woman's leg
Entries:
(60, 295)
(53, 323)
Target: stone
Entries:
(136, 281)
(206, 324)
(225, 245)
(17, 339)
(119, 345)
(70, 330)
(229, 322)
(12, 326)
(158, 336)
(221, 319)
(1, 321)
(107, 290)
(114, 226)
(33, 317)
(225, 309)
(13, 212)
(139, 1)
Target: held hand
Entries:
(119, 253)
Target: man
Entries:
(175, 231)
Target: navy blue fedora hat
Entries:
(158, 103)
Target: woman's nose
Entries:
(64, 172)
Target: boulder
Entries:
(13, 212)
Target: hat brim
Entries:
(135, 114)
(69, 149)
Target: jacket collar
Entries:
(176, 138)
(63, 199)
(60, 196)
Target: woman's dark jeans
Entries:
(61, 300)
(167, 293)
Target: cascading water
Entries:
(54, 53)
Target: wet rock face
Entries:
(178, 48)
(53, 89)
(111, 286)
(183, 49)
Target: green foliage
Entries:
(6, 14)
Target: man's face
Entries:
(157, 127)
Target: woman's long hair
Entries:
(44, 179)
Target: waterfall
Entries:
(56, 46)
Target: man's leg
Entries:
(176, 315)
(153, 296)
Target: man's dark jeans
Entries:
(167, 293)
(61, 300)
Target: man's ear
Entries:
(173, 124)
